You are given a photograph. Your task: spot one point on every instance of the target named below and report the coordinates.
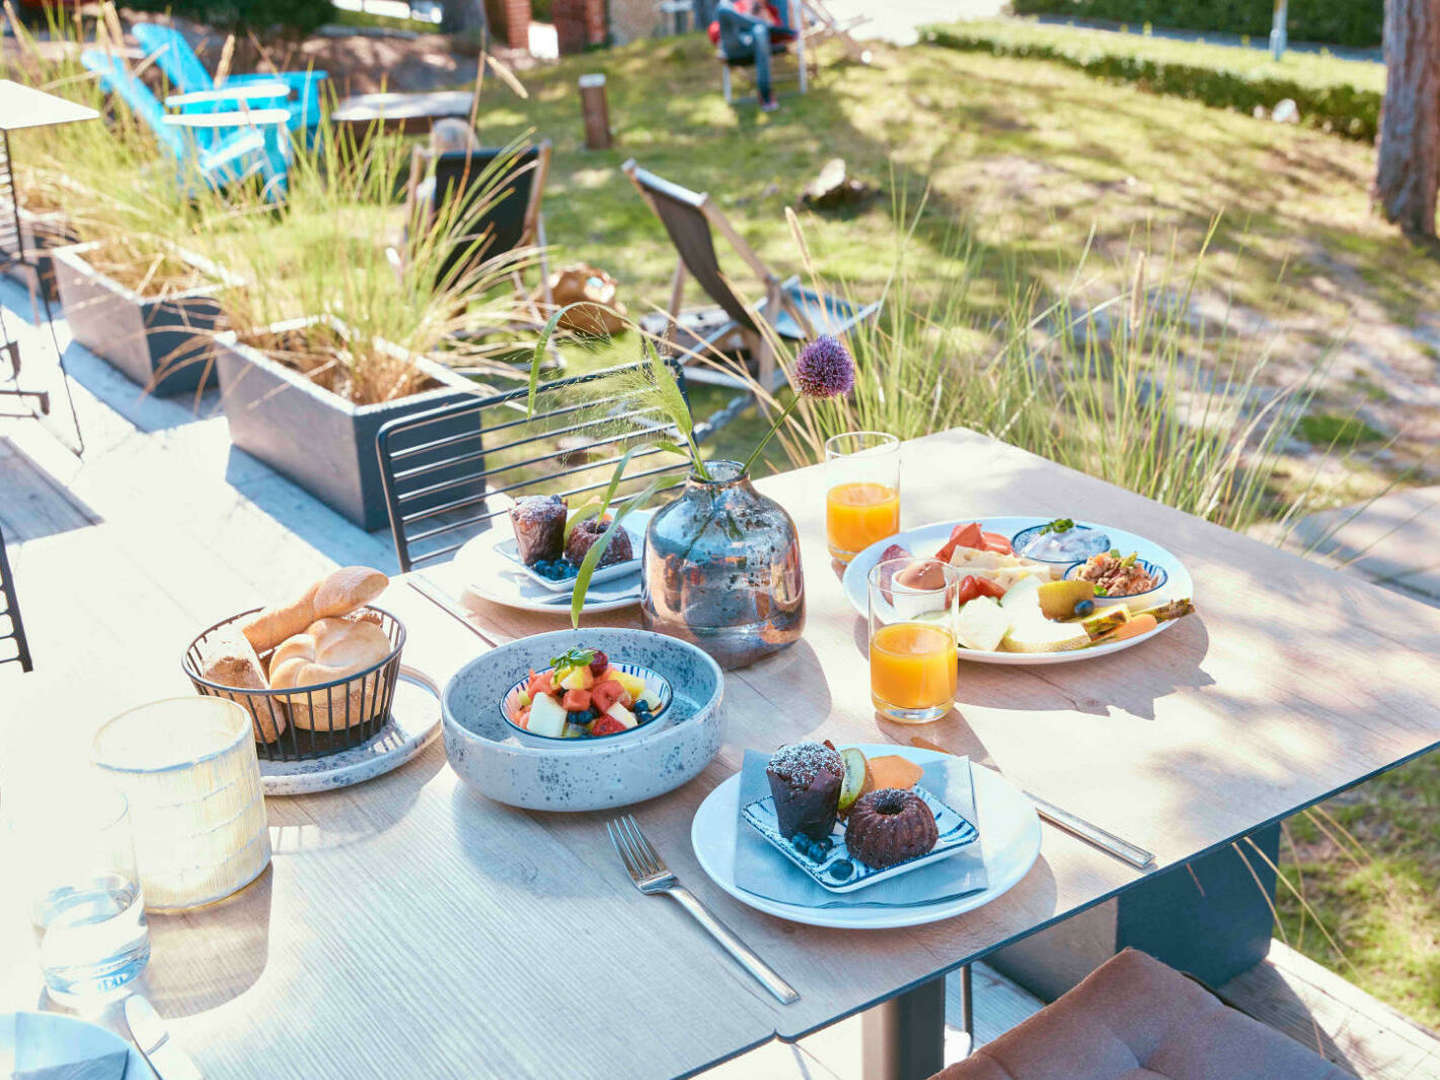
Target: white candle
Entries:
(189, 770)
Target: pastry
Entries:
(331, 649)
(805, 781)
(587, 532)
(343, 591)
(889, 826)
(229, 660)
(539, 524)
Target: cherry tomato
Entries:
(972, 586)
(997, 543)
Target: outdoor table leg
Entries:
(904, 1038)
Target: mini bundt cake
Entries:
(805, 780)
(588, 532)
(889, 826)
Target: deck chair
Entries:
(745, 58)
(168, 48)
(821, 25)
(450, 472)
(10, 613)
(791, 310)
(506, 222)
(217, 148)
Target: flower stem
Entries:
(784, 415)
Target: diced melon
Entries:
(547, 717)
(579, 678)
(621, 713)
(651, 698)
(633, 684)
(982, 624)
(1023, 594)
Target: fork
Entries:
(652, 876)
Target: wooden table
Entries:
(411, 927)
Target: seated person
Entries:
(753, 28)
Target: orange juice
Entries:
(912, 666)
(858, 514)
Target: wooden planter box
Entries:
(164, 343)
(316, 438)
(40, 233)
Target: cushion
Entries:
(1136, 1019)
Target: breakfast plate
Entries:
(1172, 579)
(491, 572)
(1009, 838)
(44, 1042)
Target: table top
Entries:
(25, 107)
(410, 921)
(392, 107)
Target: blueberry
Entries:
(1084, 607)
(842, 869)
(591, 713)
(823, 845)
(579, 719)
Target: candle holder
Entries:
(188, 769)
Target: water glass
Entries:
(188, 767)
(913, 666)
(862, 491)
(87, 906)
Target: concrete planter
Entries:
(39, 233)
(164, 343)
(321, 441)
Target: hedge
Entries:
(1338, 95)
(298, 17)
(1331, 22)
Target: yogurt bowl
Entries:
(488, 753)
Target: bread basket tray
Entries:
(310, 721)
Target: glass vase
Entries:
(722, 569)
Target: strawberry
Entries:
(605, 725)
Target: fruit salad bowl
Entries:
(644, 706)
(505, 763)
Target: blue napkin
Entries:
(762, 870)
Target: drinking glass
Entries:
(862, 496)
(86, 903)
(188, 767)
(913, 606)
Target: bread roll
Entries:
(343, 591)
(331, 649)
(229, 659)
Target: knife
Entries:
(162, 1053)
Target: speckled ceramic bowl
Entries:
(600, 773)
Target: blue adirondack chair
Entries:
(216, 148)
(174, 56)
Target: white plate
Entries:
(1009, 838)
(413, 721)
(53, 1039)
(928, 539)
(490, 575)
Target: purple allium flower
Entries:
(825, 369)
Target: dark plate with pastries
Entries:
(317, 674)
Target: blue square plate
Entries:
(511, 550)
(829, 873)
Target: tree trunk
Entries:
(462, 16)
(1409, 170)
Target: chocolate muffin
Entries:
(889, 826)
(587, 532)
(805, 779)
(539, 524)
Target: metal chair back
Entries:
(450, 472)
(10, 614)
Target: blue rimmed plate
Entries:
(838, 872)
(656, 686)
(1134, 601)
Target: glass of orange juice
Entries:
(862, 497)
(913, 605)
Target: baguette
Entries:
(342, 592)
(230, 660)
